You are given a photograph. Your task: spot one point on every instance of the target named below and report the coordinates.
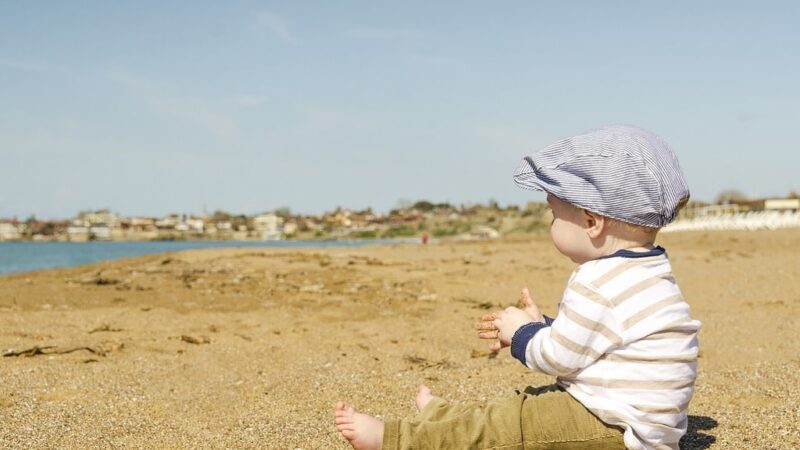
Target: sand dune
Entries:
(251, 349)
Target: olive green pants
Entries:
(538, 418)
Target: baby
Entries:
(623, 347)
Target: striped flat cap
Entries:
(618, 171)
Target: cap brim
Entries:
(526, 178)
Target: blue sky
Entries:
(157, 107)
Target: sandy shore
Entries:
(251, 348)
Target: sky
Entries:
(149, 108)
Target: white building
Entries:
(100, 232)
(782, 204)
(100, 217)
(168, 223)
(195, 225)
(10, 231)
(268, 226)
(77, 231)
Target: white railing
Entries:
(753, 220)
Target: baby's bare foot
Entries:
(423, 396)
(363, 431)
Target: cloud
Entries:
(187, 111)
(278, 26)
(383, 34)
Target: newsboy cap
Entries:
(619, 171)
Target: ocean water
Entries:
(28, 256)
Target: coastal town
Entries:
(421, 219)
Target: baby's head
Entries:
(609, 189)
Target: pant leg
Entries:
(439, 409)
(551, 419)
(441, 425)
(538, 419)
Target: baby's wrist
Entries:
(523, 335)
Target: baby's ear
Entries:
(595, 224)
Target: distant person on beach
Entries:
(623, 347)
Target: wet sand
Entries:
(251, 348)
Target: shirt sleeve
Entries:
(585, 329)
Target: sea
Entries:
(30, 256)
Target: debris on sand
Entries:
(482, 354)
(195, 340)
(105, 327)
(98, 280)
(52, 350)
(33, 351)
(414, 359)
(425, 364)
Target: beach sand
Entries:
(251, 348)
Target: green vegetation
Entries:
(364, 234)
(401, 230)
(452, 228)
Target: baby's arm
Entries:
(585, 330)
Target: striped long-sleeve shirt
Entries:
(623, 344)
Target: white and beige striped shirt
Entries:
(623, 344)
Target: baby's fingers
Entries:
(496, 347)
(488, 317)
(526, 297)
(485, 325)
(492, 334)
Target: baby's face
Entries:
(568, 231)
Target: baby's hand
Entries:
(527, 305)
(488, 329)
(501, 326)
(508, 322)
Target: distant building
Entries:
(10, 231)
(290, 228)
(195, 225)
(78, 231)
(143, 224)
(168, 223)
(484, 232)
(268, 226)
(100, 232)
(224, 226)
(782, 204)
(99, 217)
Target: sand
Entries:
(251, 348)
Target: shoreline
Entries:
(138, 248)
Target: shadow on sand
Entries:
(695, 438)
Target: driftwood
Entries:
(52, 350)
(33, 351)
(195, 340)
(105, 327)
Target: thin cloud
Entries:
(383, 34)
(278, 26)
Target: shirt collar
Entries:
(624, 253)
